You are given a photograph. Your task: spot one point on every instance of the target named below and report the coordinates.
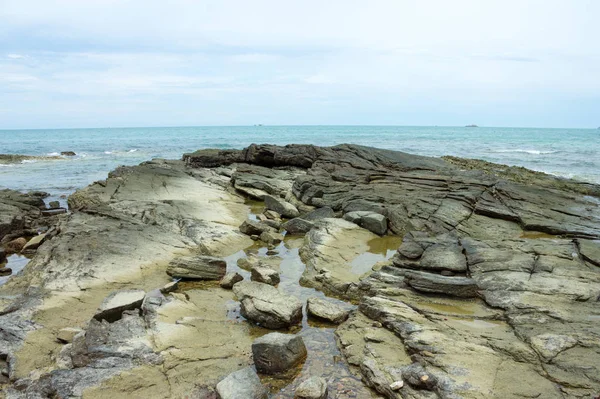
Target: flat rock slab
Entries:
(117, 302)
(312, 388)
(282, 207)
(319, 213)
(253, 227)
(199, 267)
(267, 306)
(275, 352)
(242, 384)
(436, 284)
(326, 310)
(35, 242)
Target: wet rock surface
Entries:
(485, 282)
(276, 352)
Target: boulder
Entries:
(242, 384)
(298, 226)
(118, 302)
(282, 207)
(253, 227)
(263, 274)
(319, 213)
(271, 238)
(326, 310)
(35, 242)
(267, 306)
(197, 267)
(275, 352)
(16, 245)
(230, 279)
(436, 284)
(312, 388)
(68, 153)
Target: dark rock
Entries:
(200, 267)
(2, 255)
(5, 271)
(275, 352)
(374, 222)
(242, 384)
(68, 153)
(297, 226)
(54, 204)
(54, 212)
(271, 238)
(230, 279)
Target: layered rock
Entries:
(275, 352)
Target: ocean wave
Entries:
(108, 152)
(29, 161)
(134, 150)
(53, 154)
(531, 152)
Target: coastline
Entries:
(464, 286)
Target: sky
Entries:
(109, 63)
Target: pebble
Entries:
(396, 385)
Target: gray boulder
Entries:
(242, 384)
(312, 388)
(298, 226)
(282, 207)
(326, 310)
(372, 221)
(266, 305)
(230, 280)
(275, 352)
(263, 274)
(199, 267)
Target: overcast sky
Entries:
(102, 63)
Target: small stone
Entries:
(282, 207)
(54, 204)
(312, 388)
(261, 217)
(424, 378)
(263, 274)
(272, 252)
(15, 245)
(54, 212)
(68, 153)
(230, 279)
(117, 302)
(272, 215)
(277, 352)
(271, 237)
(5, 271)
(169, 287)
(66, 335)
(35, 242)
(254, 227)
(396, 385)
(254, 237)
(326, 310)
(242, 384)
(298, 226)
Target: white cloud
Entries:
(14, 56)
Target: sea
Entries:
(570, 153)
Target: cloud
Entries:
(199, 61)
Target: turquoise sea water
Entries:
(573, 153)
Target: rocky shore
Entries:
(305, 272)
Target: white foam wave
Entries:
(134, 150)
(53, 154)
(28, 161)
(531, 152)
(108, 152)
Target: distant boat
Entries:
(477, 126)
